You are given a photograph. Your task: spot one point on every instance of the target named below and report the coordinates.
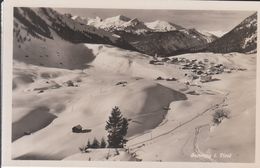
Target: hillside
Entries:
(165, 115)
(44, 37)
(242, 38)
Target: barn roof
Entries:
(78, 126)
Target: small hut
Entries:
(166, 59)
(200, 72)
(121, 83)
(171, 79)
(205, 78)
(159, 78)
(174, 60)
(70, 83)
(77, 129)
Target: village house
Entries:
(205, 78)
(77, 129)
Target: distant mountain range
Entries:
(158, 37)
(45, 25)
(165, 38)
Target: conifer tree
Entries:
(95, 143)
(117, 129)
(103, 143)
(89, 144)
(124, 129)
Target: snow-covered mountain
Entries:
(167, 43)
(45, 36)
(82, 20)
(242, 38)
(162, 26)
(126, 24)
(158, 37)
(45, 27)
(208, 36)
(47, 22)
(119, 23)
(174, 39)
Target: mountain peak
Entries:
(162, 26)
(161, 22)
(248, 22)
(119, 18)
(75, 17)
(134, 20)
(206, 33)
(245, 34)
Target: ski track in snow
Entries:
(196, 149)
(181, 125)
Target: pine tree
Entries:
(117, 129)
(95, 143)
(103, 143)
(88, 145)
(124, 127)
(124, 130)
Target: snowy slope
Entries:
(120, 23)
(162, 26)
(88, 104)
(208, 36)
(79, 19)
(47, 23)
(44, 37)
(164, 117)
(102, 155)
(56, 52)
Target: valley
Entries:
(187, 107)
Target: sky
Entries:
(216, 22)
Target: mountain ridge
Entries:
(159, 38)
(242, 38)
(145, 36)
